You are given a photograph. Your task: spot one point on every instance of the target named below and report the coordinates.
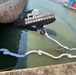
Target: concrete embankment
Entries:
(61, 69)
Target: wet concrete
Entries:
(62, 69)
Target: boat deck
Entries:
(71, 8)
(40, 19)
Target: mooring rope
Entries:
(46, 34)
(40, 52)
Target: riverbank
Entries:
(61, 69)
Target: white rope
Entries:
(40, 52)
(46, 34)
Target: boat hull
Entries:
(11, 10)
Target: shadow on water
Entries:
(15, 40)
(51, 32)
(8, 40)
(22, 62)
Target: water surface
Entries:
(20, 41)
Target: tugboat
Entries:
(10, 10)
(35, 20)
